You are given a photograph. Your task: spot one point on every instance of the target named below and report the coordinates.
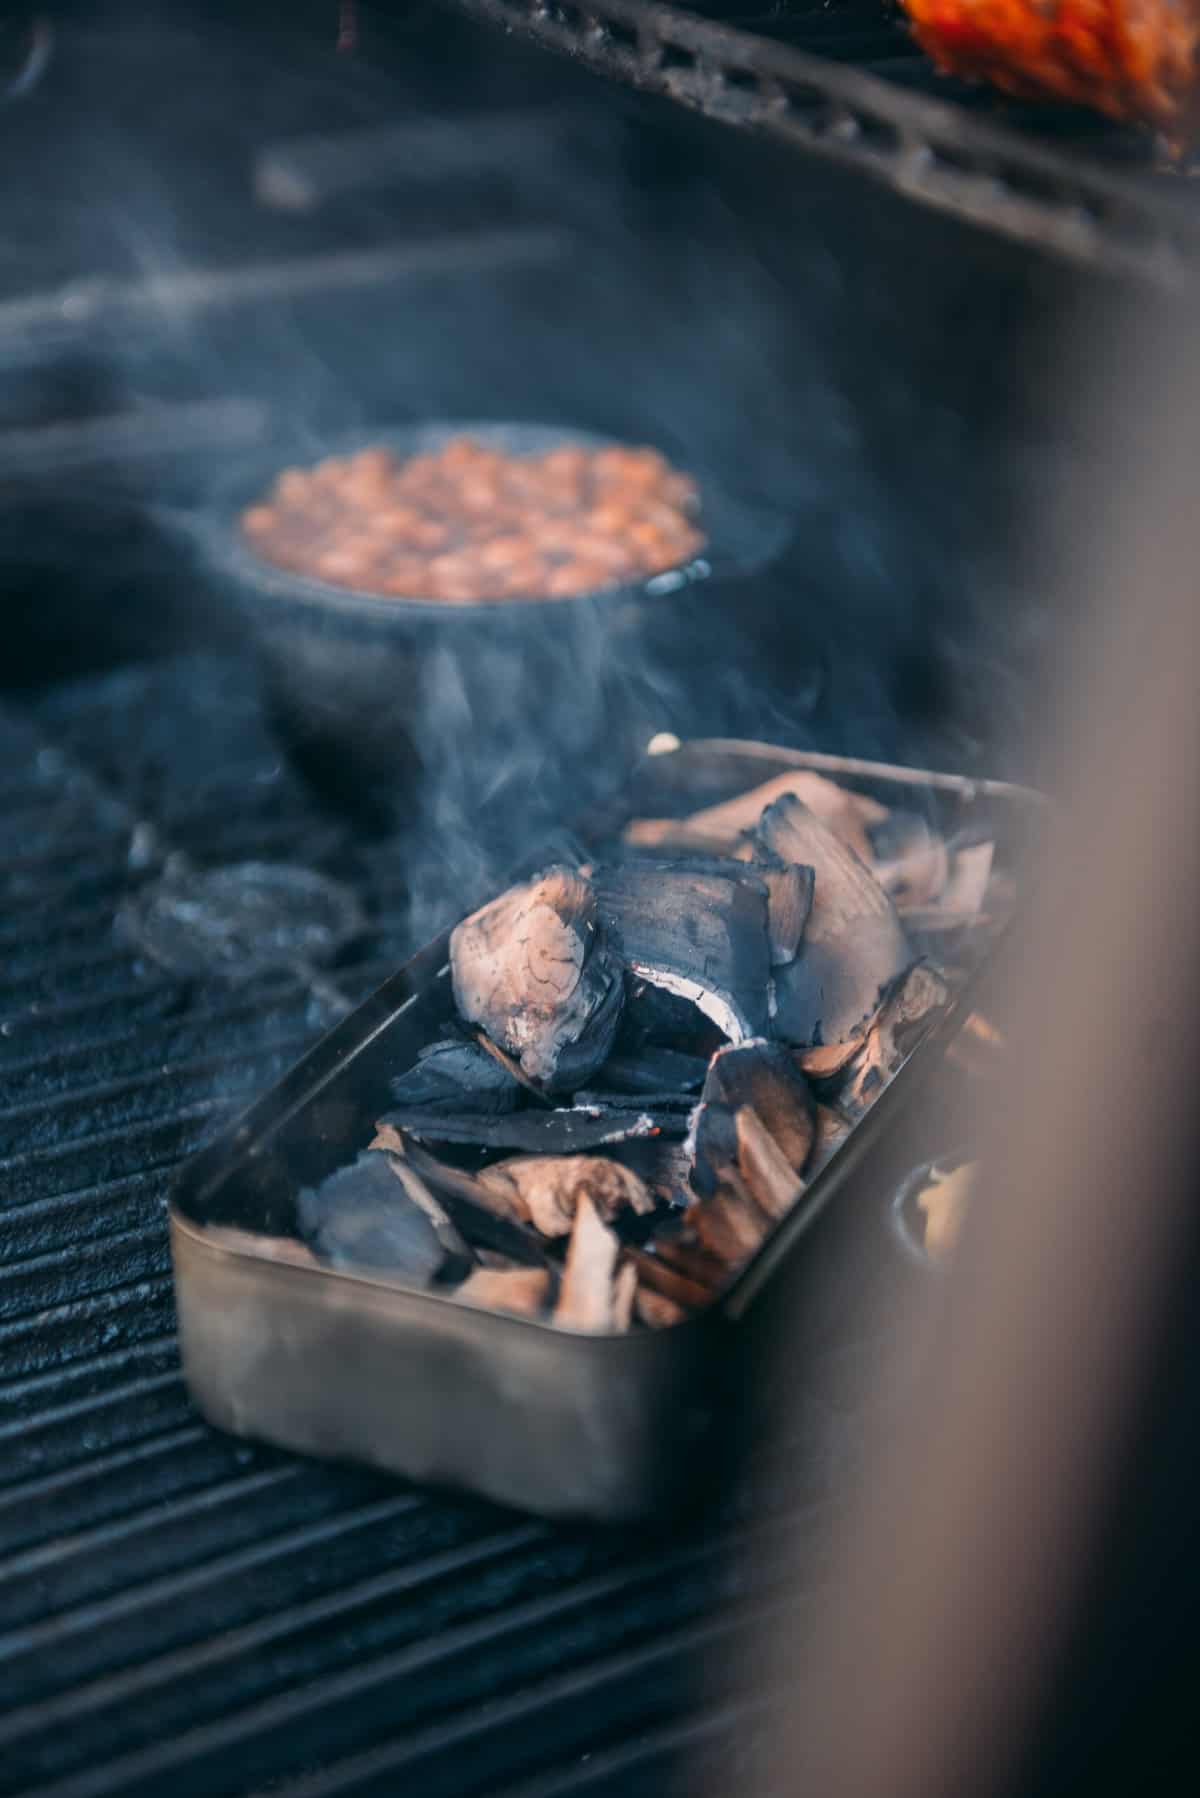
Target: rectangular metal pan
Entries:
(527, 1412)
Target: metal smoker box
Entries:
(528, 1412)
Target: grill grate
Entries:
(178, 1610)
(843, 81)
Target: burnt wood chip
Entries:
(485, 1215)
(763, 1076)
(534, 970)
(362, 1216)
(701, 934)
(558, 1132)
(455, 1076)
(908, 1010)
(854, 942)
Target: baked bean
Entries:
(467, 522)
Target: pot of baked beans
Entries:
(462, 590)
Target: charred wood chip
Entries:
(701, 935)
(490, 1216)
(564, 1131)
(362, 1216)
(830, 1059)
(620, 1103)
(655, 1310)
(854, 943)
(533, 969)
(652, 1070)
(769, 1177)
(548, 1188)
(845, 812)
(906, 1013)
(970, 876)
(763, 1076)
(524, 1290)
(586, 1297)
(911, 861)
(456, 1076)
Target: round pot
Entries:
(367, 689)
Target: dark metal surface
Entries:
(182, 1612)
(844, 82)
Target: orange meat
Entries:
(1132, 59)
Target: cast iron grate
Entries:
(843, 80)
(179, 1611)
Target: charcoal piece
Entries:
(701, 935)
(564, 1131)
(534, 970)
(656, 1018)
(617, 1103)
(854, 943)
(485, 1214)
(654, 1070)
(587, 1299)
(908, 1010)
(847, 814)
(765, 1077)
(523, 1290)
(456, 1076)
(548, 1188)
(362, 1216)
(909, 860)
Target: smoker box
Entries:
(527, 1412)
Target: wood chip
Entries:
(585, 1297)
(655, 1275)
(624, 1293)
(549, 1187)
(525, 1290)
(533, 970)
(657, 1311)
(762, 1075)
(906, 1013)
(832, 1129)
(845, 812)
(771, 1180)
(729, 1224)
(854, 942)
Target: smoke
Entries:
(679, 292)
